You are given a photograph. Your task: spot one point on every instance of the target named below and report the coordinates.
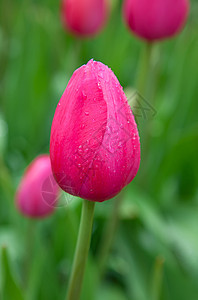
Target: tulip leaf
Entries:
(10, 288)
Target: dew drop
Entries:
(86, 113)
(84, 96)
(99, 86)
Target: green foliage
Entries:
(155, 250)
(10, 289)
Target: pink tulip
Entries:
(94, 146)
(37, 193)
(155, 19)
(84, 17)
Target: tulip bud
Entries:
(38, 191)
(155, 19)
(94, 145)
(84, 17)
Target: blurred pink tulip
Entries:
(84, 17)
(94, 146)
(38, 191)
(155, 19)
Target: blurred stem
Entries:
(144, 69)
(146, 86)
(73, 56)
(156, 284)
(29, 249)
(82, 249)
(108, 235)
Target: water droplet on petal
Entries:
(99, 86)
(84, 96)
(86, 113)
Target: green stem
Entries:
(82, 249)
(147, 76)
(145, 81)
(144, 68)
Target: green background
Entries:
(155, 250)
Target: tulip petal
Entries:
(38, 192)
(94, 145)
(84, 17)
(155, 19)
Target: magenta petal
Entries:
(84, 17)
(155, 19)
(94, 146)
(37, 193)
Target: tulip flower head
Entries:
(94, 144)
(38, 192)
(155, 19)
(84, 17)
